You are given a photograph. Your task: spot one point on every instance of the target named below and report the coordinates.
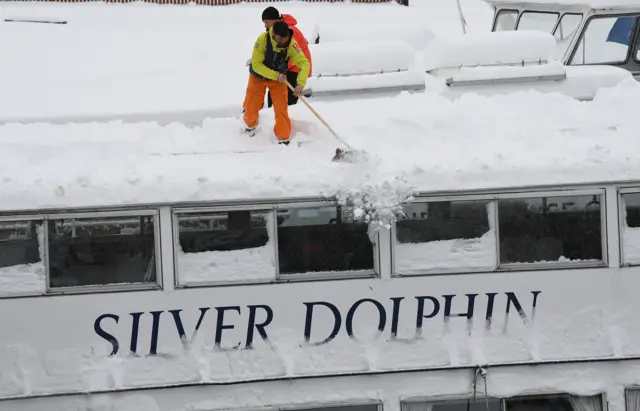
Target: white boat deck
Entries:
(416, 142)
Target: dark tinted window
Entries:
(550, 229)
(322, 239)
(100, 251)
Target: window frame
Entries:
(635, 42)
(622, 224)
(569, 13)
(324, 275)
(175, 212)
(503, 400)
(427, 271)
(102, 288)
(332, 404)
(627, 388)
(45, 261)
(279, 278)
(514, 267)
(538, 266)
(585, 26)
(497, 16)
(310, 405)
(602, 395)
(445, 398)
(525, 11)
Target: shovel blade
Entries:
(349, 156)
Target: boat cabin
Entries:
(201, 306)
(587, 32)
(495, 266)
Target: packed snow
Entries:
(631, 242)
(420, 142)
(506, 47)
(221, 266)
(477, 254)
(461, 254)
(23, 279)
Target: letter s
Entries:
(108, 337)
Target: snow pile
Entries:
(23, 279)
(219, 266)
(631, 244)
(421, 141)
(477, 254)
(358, 65)
(351, 58)
(503, 47)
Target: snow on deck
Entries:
(417, 142)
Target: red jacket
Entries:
(300, 39)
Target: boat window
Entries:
(632, 399)
(489, 404)
(447, 235)
(367, 407)
(322, 239)
(550, 229)
(225, 246)
(506, 20)
(605, 40)
(568, 26)
(101, 251)
(22, 247)
(536, 20)
(558, 402)
(630, 230)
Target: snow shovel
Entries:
(350, 155)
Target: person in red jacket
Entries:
(269, 16)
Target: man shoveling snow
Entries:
(270, 16)
(271, 55)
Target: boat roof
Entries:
(420, 142)
(587, 4)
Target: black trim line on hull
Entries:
(323, 376)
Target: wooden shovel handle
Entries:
(304, 100)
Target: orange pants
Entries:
(254, 100)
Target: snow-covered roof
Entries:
(592, 4)
(417, 142)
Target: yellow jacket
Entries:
(294, 53)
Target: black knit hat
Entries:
(270, 13)
(281, 28)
